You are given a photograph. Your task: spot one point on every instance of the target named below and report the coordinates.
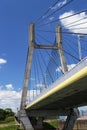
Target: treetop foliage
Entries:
(5, 113)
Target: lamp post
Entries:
(79, 46)
(45, 79)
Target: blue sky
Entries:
(15, 17)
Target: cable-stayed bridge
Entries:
(56, 73)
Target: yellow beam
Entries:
(82, 73)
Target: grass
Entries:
(7, 120)
(53, 123)
(12, 127)
(47, 126)
(9, 124)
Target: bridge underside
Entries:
(70, 92)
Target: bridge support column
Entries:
(23, 116)
(71, 118)
(24, 121)
(60, 49)
(39, 125)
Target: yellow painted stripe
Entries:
(82, 73)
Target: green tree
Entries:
(9, 112)
(5, 113)
(2, 114)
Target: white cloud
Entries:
(58, 69)
(9, 87)
(69, 67)
(19, 88)
(1, 87)
(71, 21)
(40, 85)
(59, 4)
(31, 94)
(51, 18)
(3, 61)
(32, 78)
(10, 99)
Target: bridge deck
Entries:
(68, 91)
